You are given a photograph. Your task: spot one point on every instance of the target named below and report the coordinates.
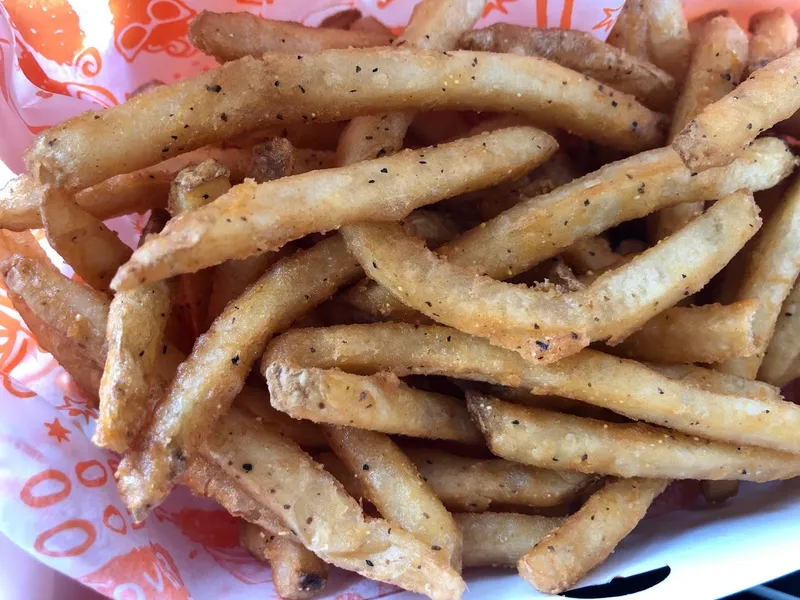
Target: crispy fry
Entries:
(297, 573)
(769, 276)
(254, 539)
(774, 35)
(83, 241)
(272, 159)
(22, 244)
(230, 100)
(334, 465)
(303, 433)
(548, 326)
(228, 36)
(704, 334)
(726, 128)
(501, 539)
(254, 218)
(697, 25)
(719, 383)
(630, 30)
(472, 485)
(391, 482)
(582, 52)
(668, 41)
(408, 349)
(215, 372)
(591, 254)
(378, 403)
(588, 537)
(784, 348)
(542, 438)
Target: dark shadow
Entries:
(622, 586)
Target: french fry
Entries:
(501, 539)
(230, 100)
(727, 333)
(22, 244)
(254, 539)
(334, 465)
(211, 377)
(668, 40)
(715, 492)
(717, 66)
(582, 52)
(591, 254)
(228, 36)
(561, 558)
(378, 403)
(369, 24)
(774, 35)
(630, 31)
(589, 376)
(547, 439)
(477, 485)
(253, 218)
(391, 482)
(297, 573)
(696, 26)
(726, 128)
(272, 159)
(719, 383)
(548, 326)
(84, 242)
(342, 19)
(784, 348)
(769, 276)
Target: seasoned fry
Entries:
(769, 276)
(83, 241)
(391, 482)
(591, 254)
(582, 52)
(717, 66)
(542, 438)
(408, 349)
(697, 26)
(588, 537)
(774, 35)
(501, 539)
(253, 218)
(378, 403)
(668, 42)
(254, 539)
(303, 433)
(784, 348)
(726, 128)
(297, 573)
(704, 334)
(472, 485)
(230, 100)
(215, 372)
(720, 383)
(228, 36)
(334, 465)
(630, 30)
(548, 326)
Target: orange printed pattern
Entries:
(157, 26)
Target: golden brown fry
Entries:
(588, 537)
(392, 483)
(589, 376)
(697, 26)
(230, 100)
(717, 66)
(769, 276)
(719, 383)
(253, 218)
(591, 254)
(334, 465)
(297, 573)
(228, 36)
(582, 52)
(342, 19)
(22, 244)
(437, 128)
(215, 372)
(547, 326)
(704, 334)
(668, 42)
(254, 539)
(370, 25)
(83, 241)
(726, 128)
(378, 403)
(774, 35)
(543, 438)
(232, 278)
(472, 485)
(630, 30)
(784, 348)
(272, 159)
(715, 492)
(501, 539)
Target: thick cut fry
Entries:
(630, 30)
(769, 276)
(774, 35)
(717, 66)
(582, 52)
(228, 36)
(230, 100)
(668, 41)
(588, 537)
(254, 218)
(548, 326)
(784, 348)
(704, 334)
(589, 376)
(392, 483)
(135, 192)
(83, 241)
(725, 129)
(542, 438)
(297, 573)
(378, 403)
(215, 372)
(472, 485)
(501, 539)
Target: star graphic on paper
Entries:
(498, 5)
(58, 431)
(608, 20)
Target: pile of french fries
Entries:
(405, 342)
